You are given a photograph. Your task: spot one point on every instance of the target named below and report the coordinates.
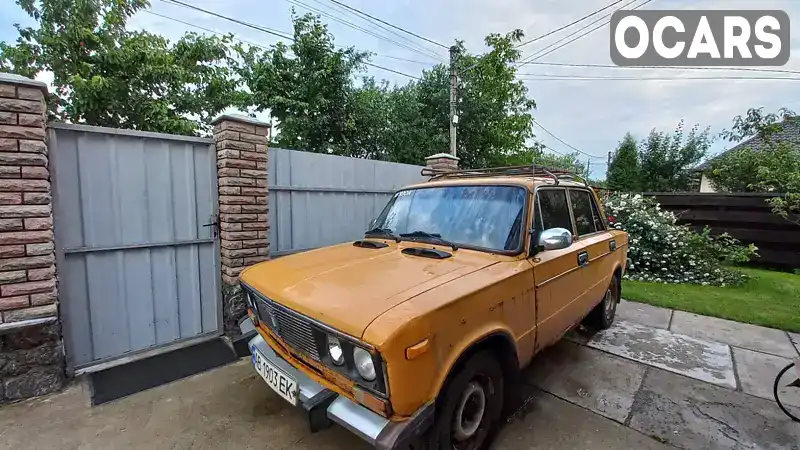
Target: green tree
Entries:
(494, 109)
(772, 166)
(369, 120)
(667, 159)
(307, 86)
(538, 154)
(758, 124)
(624, 172)
(108, 76)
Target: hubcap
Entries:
(469, 414)
(609, 303)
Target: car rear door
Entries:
(594, 244)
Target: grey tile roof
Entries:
(790, 132)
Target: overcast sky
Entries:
(590, 115)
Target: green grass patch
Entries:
(768, 298)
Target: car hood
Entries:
(347, 287)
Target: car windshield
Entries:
(477, 216)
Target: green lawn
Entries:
(768, 298)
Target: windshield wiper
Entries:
(430, 236)
(377, 231)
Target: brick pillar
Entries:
(242, 178)
(31, 353)
(442, 161)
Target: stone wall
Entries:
(241, 144)
(31, 354)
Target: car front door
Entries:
(557, 274)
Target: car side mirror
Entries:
(555, 239)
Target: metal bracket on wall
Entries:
(214, 224)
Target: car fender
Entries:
(462, 349)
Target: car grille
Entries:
(291, 327)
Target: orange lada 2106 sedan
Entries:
(414, 334)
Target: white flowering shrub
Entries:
(662, 251)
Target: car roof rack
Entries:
(533, 170)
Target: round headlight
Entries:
(335, 350)
(364, 364)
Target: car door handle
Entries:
(612, 245)
(583, 258)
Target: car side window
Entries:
(582, 210)
(552, 210)
(599, 223)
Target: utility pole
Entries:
(453, 99)
(609, 158)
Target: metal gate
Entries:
(138, 267)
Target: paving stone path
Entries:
(690, 381)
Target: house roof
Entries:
(789, 132)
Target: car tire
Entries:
(602, 316)
(469, 413)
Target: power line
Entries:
(270, 31)
(230, 19)
(536, 55)
(393, 71)
(611, 66)
(375, 25)
(547, 76)
(404, 59)
(541, 53)
(163, 16)
(562, 28)
(347, 23)
(201, 28)
(553, 150)
(563, 142)
(362, 13)
(568, 25)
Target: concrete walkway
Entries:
(640, 385)
(688, 380)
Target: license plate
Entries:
(281, 383)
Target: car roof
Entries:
(529, 182)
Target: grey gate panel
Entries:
(317, 199)
(137, 267)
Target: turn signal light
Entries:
(368, 400)
(417, 350)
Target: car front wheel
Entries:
(471, 407)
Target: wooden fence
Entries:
(746, 217)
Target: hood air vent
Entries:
(427, 252)
(369, 244)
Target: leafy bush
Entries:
(664, 252)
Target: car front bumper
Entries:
(323, 406)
